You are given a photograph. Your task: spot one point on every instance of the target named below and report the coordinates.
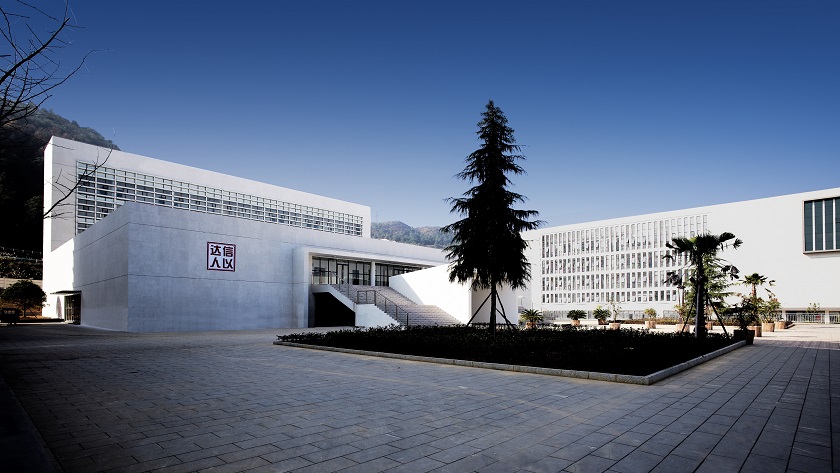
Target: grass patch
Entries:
(626, 351)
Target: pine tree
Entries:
(487, 246)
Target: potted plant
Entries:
(601, 315)
(531, 317)
(650, 313)
(744, 315)
(684, 323)
(814, 312)
(615, 309)
(576, 315)
(769, 313)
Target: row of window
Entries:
(627, 237)
(660, 295)
(104, 189)
(586, 264)
(822, 224)
(570, 276)
(625, 280)
(327, 270)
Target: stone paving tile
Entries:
(230, 401)
(547, 465)
(637, 461)
(762, 464)
(590, 464)
(329, 466)
(614, 451)
(376, 465)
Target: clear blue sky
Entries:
(622, 107)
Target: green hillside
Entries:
(22, 174)
(399, 231)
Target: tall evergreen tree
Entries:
(487, 246)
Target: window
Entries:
(821, 222)
(105, 184)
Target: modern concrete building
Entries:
(792, 239)
(149, 245)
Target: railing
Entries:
(821, 317)
(377, 297)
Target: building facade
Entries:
(148, 245)
(791, 239)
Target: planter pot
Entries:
(747, 335)
(684, 327)
(756, 329)
(650, 324)
(575, 323)
(710, 326)
(781, 325)
(602, 322)
(615, 325)
(768, 326)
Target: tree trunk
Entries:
(492, 308)
(699, 306)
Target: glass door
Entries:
(343, 271)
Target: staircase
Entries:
(400, 308)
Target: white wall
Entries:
(100, 270)
(60, 158)
(368, 315)
(432, 287)
(772, 232)
(144, 268)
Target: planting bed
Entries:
(625, 351)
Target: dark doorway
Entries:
(331, 313)
(73, 308)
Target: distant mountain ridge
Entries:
(401, 232)
(22, 146)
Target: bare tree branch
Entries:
(31, 69)
(68, 189)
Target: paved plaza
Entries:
(232, 401)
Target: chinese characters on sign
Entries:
(221, 256)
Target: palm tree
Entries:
(754, 280)
(701, 252)
(487, 246)
(532, 317)
(756, 303)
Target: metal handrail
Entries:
(376, 296)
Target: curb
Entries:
(615, 378)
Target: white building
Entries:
(149, 245)
(792, 239)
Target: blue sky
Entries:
(622, 107)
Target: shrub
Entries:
(576, 314)
(634, 352)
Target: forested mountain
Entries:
(22, 173)
(398, 231)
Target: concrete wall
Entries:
(144, 268)
(100, 270)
